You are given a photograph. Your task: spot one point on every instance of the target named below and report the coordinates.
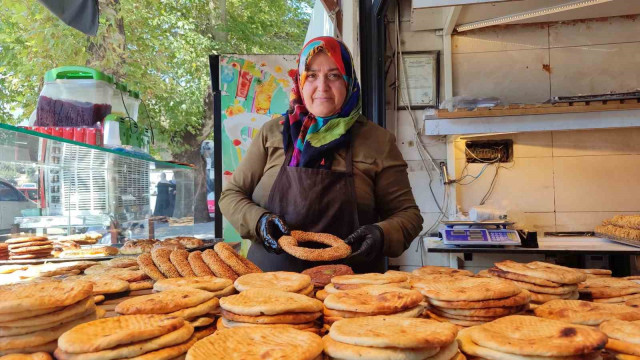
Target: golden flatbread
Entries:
(28, 314)
(534, 336)
(103, 284)
(411, 313)
(543, 298)
(110, 332)
(164, 302)
(604, 272)
(226, 323)
(204, 332)
(201, 321)
(628, 331)
(25, 239)
(38, 295)
(369, 279)
(556, 290)
(497, 272)
(135, 349)
(280, 280)
(543, 270)
(245, 343)
(338, 350)
(41, 337)
(61, 316)
(518, 300)
(440, 270)
(256, 302)
(122, 262)
(470, 289)
(34, 356)
(47, 348)
(168, 353)
(462, 317)
(585, 313)
(617, 299)
(459, 322)
(374, 300)
(141, 285)
(202, 309)
(608, 287)
(485, 312)
(230, 290)
(208, 283)
(479, 352)
(391, 331)
(285, 318)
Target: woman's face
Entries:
(324, 90)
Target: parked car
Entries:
(12, 203)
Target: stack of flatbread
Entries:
(350, 282)
(216, 286)
(4, 251)
(391, 337)
(609, 290)
(143, 337)
(440, 270)
(528, 337)
(123, 270)
(29, 247)
(222, 262)
(372, 300)
(279, 280)
(268, 308)
(194, 305)
(469, 301)
(544, 281)
(586, 313)
(33, 315)
(258, 343)
(624, 338)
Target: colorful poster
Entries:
(255, 89)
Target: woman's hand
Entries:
(269, 229)
(366, 243)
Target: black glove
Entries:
(366, 243)
(269, 229)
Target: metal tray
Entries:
(635, 243)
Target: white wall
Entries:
(561, 181)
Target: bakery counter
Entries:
(553, 245)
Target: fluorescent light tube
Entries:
(529, 14)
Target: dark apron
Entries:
(315, 200)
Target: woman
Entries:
(323, 167)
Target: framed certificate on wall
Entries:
(421, 71)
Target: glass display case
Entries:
(53, 186)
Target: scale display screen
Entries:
(481, 237)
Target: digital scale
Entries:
(488, 233)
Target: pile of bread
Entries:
(544, 281)
(223, 262)
(626, 227)
(29, 247)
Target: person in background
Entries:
(163, 197)
(323, 167)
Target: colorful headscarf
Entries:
(315, 139)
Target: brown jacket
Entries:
(380, 176)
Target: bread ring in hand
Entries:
(337, 248)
